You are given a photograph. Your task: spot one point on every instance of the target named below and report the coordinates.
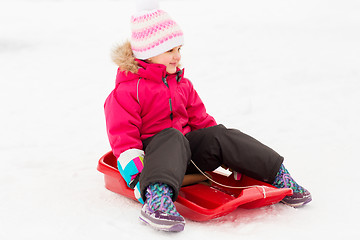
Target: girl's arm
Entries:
(123, 121)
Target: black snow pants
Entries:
(168, 154)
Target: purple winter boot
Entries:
(159, 210)
(300, 196)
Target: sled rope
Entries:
(226, 186)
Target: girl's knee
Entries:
(173, 135)
(172, 131)
(215, 131)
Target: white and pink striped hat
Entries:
(153, 31)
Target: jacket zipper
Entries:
(170, 101)
(171, 111)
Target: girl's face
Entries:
(170, 59)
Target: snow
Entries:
(284, 71)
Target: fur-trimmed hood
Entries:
(131, 68)
(123, 56)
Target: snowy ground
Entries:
(286, 72)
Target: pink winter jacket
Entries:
(147, 100)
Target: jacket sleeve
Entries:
(123, 120)
(198, 117)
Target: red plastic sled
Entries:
(201, 202)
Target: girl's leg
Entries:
(215, 146)
(212, 147)
(166, 158)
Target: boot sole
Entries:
(163, 225)
(299, 202)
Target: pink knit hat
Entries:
(153, 31)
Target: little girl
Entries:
(156, 122)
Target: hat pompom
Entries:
(146, 5)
